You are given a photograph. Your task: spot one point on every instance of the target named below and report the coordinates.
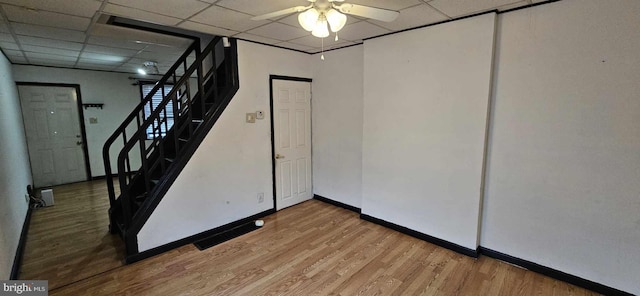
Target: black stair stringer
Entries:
(179, 163)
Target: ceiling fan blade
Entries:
(280, 13)
(380, 14)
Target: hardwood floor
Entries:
(70, 241)
(309, 249)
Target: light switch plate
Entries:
(93, 120)
(251, 117)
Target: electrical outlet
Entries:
(261, 197)
(259, 115)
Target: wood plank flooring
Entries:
(309, 249)
(70, 241)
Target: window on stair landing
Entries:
(145, 89)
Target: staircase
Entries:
(203, 83)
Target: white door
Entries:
(292, 141)
(52, 127)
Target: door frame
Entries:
(273, 148)
(83, 132)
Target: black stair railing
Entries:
(201, 85)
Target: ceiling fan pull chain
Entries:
(322, 50)
(336, 37)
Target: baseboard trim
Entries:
(194, 238)
(425, 237)
(337, 203)
(17, 261)
(552, 273)
(224, 236)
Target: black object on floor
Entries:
(230, 234)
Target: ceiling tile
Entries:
(93, 66)
(225, 18)
(49, 50)
(513, 5)
(413, 17)
(52, 57)
(294, 46)
(48, 32)
(109, 50)
(86, 8)
(313, 41)
(3, 27)
(18, 59)
(106, 41)
(361, 30)
(9, 45)
(279, 31)
(131, 68)
(103, 58)
(466, 7)
(336, 45)
(46, 18)
(166, 49)
(136, 36)
(181, 9)
(6, 37)
(386, 4)
(29, 40)
(254, 7)
(13, 52)
(256, 38)
(156, 56)
(86, 60)
(141, 15)
(51, 62)
(206, 29)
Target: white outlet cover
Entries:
(259, 115)
(251, 117)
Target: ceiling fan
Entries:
(322, 15)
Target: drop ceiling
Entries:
(69, 33)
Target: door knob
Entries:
(79, 143)
(278, 156)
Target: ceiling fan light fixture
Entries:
(149, 67)
(322, 29)
(308, 19)
(336, 20)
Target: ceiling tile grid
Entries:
(67, 33)
(45, 18)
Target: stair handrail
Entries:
(139, 137)
(224, 94)
(121, 130)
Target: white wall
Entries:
(15, 172)
(426, 95)
(563, 179)
(112, 89)
(220, 183)
(337, 125)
